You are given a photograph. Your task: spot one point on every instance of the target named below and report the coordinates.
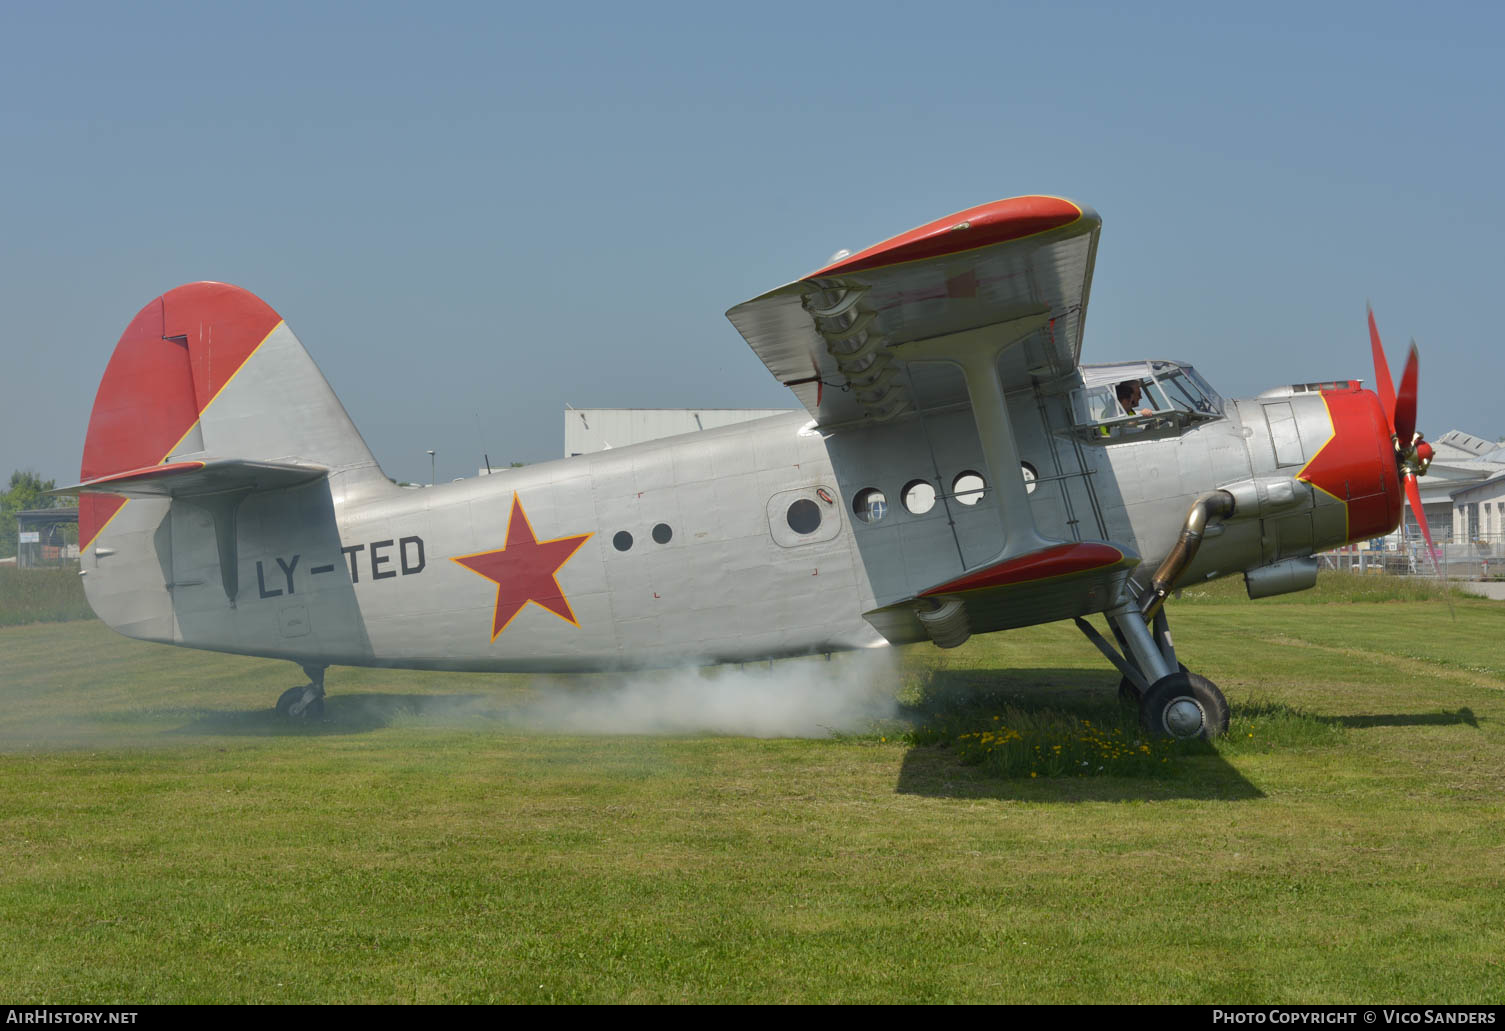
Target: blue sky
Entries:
(472, 214)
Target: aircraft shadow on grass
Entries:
(358, 713)
(1051, 702)
(1464, 716)
(967, 700)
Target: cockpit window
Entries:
(1134, 398)
(1185, 392)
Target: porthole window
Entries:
(662, 533)
(919, 497)
(870, 505)
(1031, 475)
(622, 541)
(804, 516)
(968, 487)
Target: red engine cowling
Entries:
(1357, 465)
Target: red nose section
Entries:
(1357, 464)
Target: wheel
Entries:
(301, 703)
(1128, 694)
(1184, 706)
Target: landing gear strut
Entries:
(1172, 702)
(305, 702)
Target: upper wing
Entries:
(830, 335)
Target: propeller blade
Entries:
(1413, 495)
(1404, 423)
(1384, 386)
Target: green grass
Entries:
(164, 839)
(1332, 588)
(41, 596)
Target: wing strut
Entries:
(975, 352)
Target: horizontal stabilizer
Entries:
(198, 479)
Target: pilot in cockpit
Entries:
(1129, 393)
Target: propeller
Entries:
(1412, 453)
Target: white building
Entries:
(1479, 514)
(1460, 460)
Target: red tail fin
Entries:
(175, 356)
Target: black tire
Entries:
(1184, 706)
(308, 708)
(1129, 695)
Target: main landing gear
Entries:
(306, 702)
(1172, 702)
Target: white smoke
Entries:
(791, 698)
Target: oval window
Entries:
(870, 505)
(968, 487)
(804, 516)
(622, 541)
(919, 497)
(662, 533)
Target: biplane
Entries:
(955, 470)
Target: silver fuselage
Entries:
(368, 577)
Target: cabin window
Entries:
(918, 497)
(968, 487)
(662, 534)
(804, 517)
(622, 541)
(870, 505)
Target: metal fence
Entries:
(1482, 558)
(46, 537)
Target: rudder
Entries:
(211, 370)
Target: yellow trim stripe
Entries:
(1332, 435)
(163, 460)
(221, 390)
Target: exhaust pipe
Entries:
(1216, 504)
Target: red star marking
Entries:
(524, 570)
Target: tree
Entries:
(26, 488)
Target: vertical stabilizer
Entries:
(206, 372)
(209, 370)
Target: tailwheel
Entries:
(306, 702)
(1184, 706)
(301, 703)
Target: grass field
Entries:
(164, 839)
(41, 596)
